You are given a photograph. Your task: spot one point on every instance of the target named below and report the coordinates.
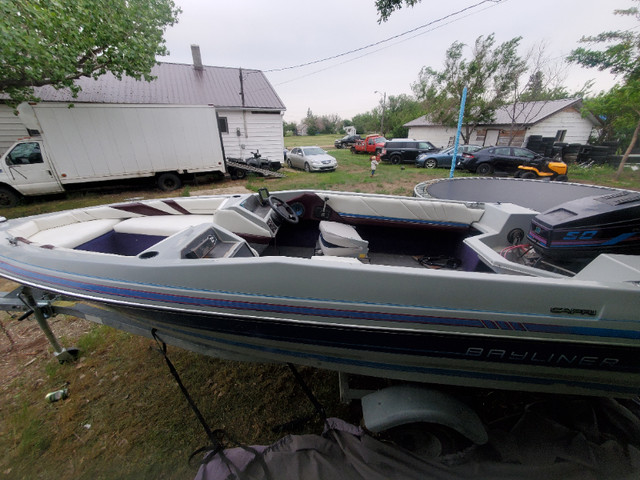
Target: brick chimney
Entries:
(197, 59)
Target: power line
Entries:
(333, 57)
(384, 47)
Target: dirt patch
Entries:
(223, 191)
(23, 346)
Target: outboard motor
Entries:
(582, 229)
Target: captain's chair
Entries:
(341, 240)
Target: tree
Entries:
(540, 83)
(622, 58)
(289, 128)
(489, 75)
(387, 7)
(400, 110)
(54, 42)
(616, 111)
(366, 122)
(311, 122)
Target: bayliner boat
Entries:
(416, 289)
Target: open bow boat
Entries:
(414, 289)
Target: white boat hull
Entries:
(470, 328)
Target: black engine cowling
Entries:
(583, 229)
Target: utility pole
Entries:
(384, 106)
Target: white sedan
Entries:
(311, 159)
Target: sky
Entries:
(276, 36)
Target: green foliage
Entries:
(27, 431)
(366, 122)
(387, 7)
(620, 57)
(490, 75)
(617, 109)
(401, 109)
(54, 42)
(537, 90)
(326, 124)
(620, 107)
(289, 128)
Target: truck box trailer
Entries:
(96, 143)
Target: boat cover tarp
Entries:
(537, 447)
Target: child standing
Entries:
(374, 164)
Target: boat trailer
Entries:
(239, 170)
(382, 409)
(43, 306)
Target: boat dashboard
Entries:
(253, 208)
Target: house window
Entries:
(223, 126)
(560, 135)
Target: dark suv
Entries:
(347, 142)
(496, 159)
(396, 151)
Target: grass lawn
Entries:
(125, 416)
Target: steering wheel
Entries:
(283, 210)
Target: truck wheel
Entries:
(168, 182)
(396, 159)
(8, 198)
(237, 173)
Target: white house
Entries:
(515, 123)
(250, 111)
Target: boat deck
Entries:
(396, 247)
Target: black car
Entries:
(397, 151)
(347, 142)
(496, 159)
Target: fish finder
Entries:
(263, 195)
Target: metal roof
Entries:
(522, 113)
(178, 84)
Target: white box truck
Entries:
(95, 143)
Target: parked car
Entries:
(347, 142)
(405, 150)
(496, 159)
(311, 159)
(443, 157)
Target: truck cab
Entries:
(25, 170)
(371, 144)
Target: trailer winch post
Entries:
(62, 354)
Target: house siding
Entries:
(250, 131)
(11, 128)
(436, 134)
(578, 128)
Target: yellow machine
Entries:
(543, 168)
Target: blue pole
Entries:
(455, 145)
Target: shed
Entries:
(249, 109)
(515, 123)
